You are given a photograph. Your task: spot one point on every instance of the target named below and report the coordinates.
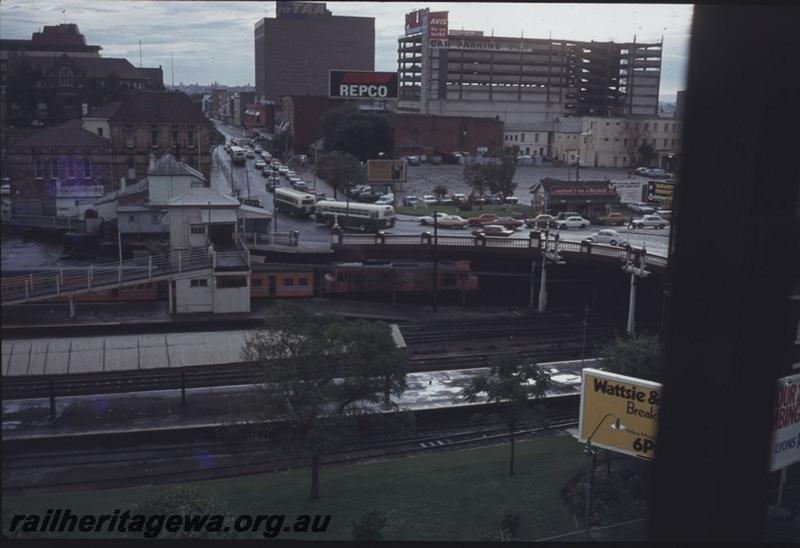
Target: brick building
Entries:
(295, 50)
(303, 114)
(59, 170)
(426, 134)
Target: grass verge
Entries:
(460, 495)
(507, 210)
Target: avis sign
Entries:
(636, 403)
(437, 24)
(785, 449)
(363, 84)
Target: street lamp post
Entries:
(590, 453)
(635, 272)
(554, 258)
(578, 168)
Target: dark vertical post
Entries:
(435, 258)
(51, 392)
(726, 336)
(183, 387)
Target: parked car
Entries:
(428, 199)
(650, 221)
(541, 221)
(289, 174)
(566, 215)
(386, 199)
(492, 230)
(656, 173)
(640, 170)
(572, 222)
(300, 185)
(283, 170)
(482, 219)
(250, 153)
(260, 164)
(512, 200)
(428, 219)
(642, 207)
(266, 171)
(413, 160)
(410, 201)
(445, 200)
(606, 236)
(617, 219)
(258, 149)
(460, 198)
(509, 222)
(665, 214)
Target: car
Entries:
(413, 160)
(544, 221)
(411, 201)
(300, 185)
(283, 170)
(482, 220)
(650, 221)
(386, 199)
(444, 220)
(271, 185)
(428, 219)
(460, 198)
(509, 222)
(289, 174)
(607, 236)
(512, 200)
(665, 214)
(429, 200)
(266, 155)
(258, 149)
(260, 164)
(656, 173)
(572, 222)
(492, 230)
(617, 219)
(266, 171)
(640, 170)
(641, 207)
(445, 200)
(250, 154)
(566, 215)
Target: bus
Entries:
(238, 155)
(242, 142)
(294, 202)
(364, 217)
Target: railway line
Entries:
(32, 472)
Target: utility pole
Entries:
(435, 258)
(578, 169)
(635, 272)
(553, 257)
(585, 325)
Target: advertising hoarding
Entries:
(582, 190)
(636, 403)
(437, 24)
(300, 8)
(415, 21)
(660, 192)
(386, 171)
(629, 192)
(491, 45)
(785, 448)
(363, 84)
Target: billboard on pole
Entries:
(363, 84)
(386, 171)
(785, 449)
(634, 401)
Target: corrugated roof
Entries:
(69, 134)
(169, 165)
(200, 197)
(159, 107)
(104, 111)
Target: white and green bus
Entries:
(294, 202)
(238, 155)
(363, 217)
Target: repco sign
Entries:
(363, 84)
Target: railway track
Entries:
(29, 472)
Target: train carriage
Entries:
(399, 276)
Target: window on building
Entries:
(174, 134)
(665, 143)
(415, 132)
(535, 137)
(605, 139)
(646, 125)
(38, 169)
(199, 282)
(673, 143)
(87, 168)
(54, 169)
(153, 136)
(516, 137)
(154, 219)
(65, 77)
(130, 136)
(198, 230)
(99, 132)
(190, 138)
(591, 125)
(624, 142)
(288, 282)
(231, 281)
(522, 137)
(655, 126)
(71, 169)
(131, 219)
(608, 123)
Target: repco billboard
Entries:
(363, 84)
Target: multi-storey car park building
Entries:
(295, 51)
(526, 82)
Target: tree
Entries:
(646, 152)
(641, 357)
(500, 176)
(362, 134)
(370, 526)
(321, 376)
(440, 191)
(509, 386)
(339, 169)
(182, 500)
(475, 177)
(633, 134)
(281, 144)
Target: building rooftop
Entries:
(92, 67)
(203, 197)
(67, 135)
(169, 165)
(159, 107)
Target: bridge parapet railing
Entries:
(47, 221)
(75, 279)
(271, 238)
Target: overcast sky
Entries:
(213, 41)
